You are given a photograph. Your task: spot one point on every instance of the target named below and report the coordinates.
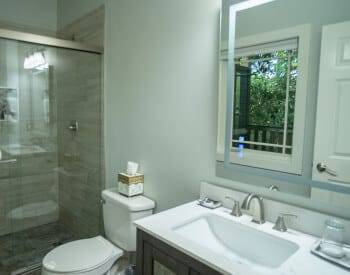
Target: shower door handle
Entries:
(8, 161)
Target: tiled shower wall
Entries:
(81, 153)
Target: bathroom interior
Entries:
(166, 137)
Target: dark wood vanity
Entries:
(156, 257)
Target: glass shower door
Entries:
(8, 162)
(28, 144)
(50, 151)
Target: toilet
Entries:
(97, 255)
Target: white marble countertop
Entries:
(300, 263)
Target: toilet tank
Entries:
(119, 214)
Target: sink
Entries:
(237, 242)
(234, 245)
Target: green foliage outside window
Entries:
(268, 74)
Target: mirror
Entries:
(284, 87)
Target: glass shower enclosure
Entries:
(50, 150)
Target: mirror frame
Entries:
(275, 175)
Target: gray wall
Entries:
(29, 14)
(43, 16)
(69, 11)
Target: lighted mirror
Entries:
(284, 87)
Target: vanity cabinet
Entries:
(154, 257)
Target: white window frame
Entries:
(261, 159)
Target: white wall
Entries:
(161, 100)
(69, 11)
(38, 14)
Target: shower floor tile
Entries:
(26, 248)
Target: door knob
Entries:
(322, 167)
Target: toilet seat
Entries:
(81, 256)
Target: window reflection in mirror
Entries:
(290, 84)
(269, 84)
(265, 85)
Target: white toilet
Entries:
(96, 256)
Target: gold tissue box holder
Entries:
(130, 185)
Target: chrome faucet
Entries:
(258, 215)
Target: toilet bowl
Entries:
(97, 256)
(93, 256)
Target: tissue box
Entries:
(130, 185)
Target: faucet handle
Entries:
(280, 224)
(236, 210)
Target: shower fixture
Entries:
(73, 126)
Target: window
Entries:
(270, 84)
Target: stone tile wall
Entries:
(80, 97)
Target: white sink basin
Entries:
(237, 242)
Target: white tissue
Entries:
(132, 168)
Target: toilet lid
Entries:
(80, 255)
